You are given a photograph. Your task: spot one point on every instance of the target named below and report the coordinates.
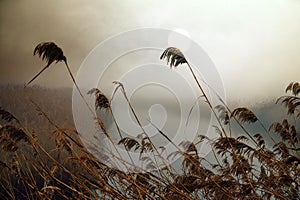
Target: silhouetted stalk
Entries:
(223, 130)
(228, 109)
(139, 123)
(30, 175)
(36, 144)
(206, 98)
(266, 131)
(47, 171)
(36, 76)
(241, 126)
(176, 57)
(184, 154)
(26, 181)
(119, 158)
(120, 134)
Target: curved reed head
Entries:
(50, 52)
(101, 101)
(173, 56)
(294, 87)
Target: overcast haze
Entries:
(254, 44)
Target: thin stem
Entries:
(120, 134)
(215, 114)
(37, 75)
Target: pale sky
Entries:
(254, 44)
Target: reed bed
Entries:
(244, 167)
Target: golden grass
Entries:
(245, 167)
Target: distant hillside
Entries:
(56, 103)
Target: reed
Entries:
(244, 166)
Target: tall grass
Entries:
(244, 167)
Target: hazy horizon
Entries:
(191, 101)
(253, 44)
(168, 117)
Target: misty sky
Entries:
(254, 44)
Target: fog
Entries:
(254, 44)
